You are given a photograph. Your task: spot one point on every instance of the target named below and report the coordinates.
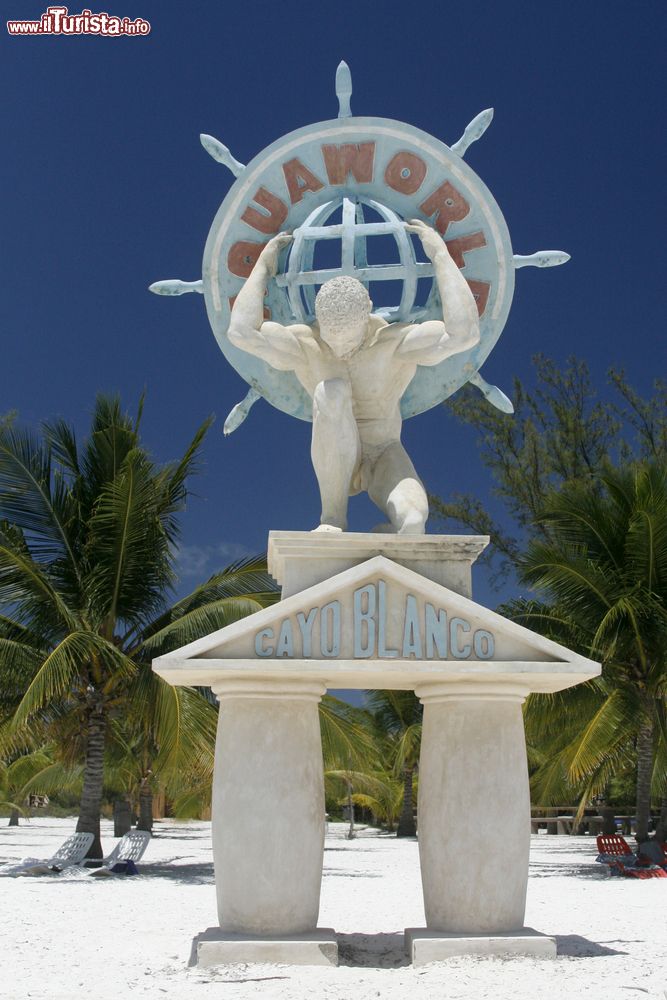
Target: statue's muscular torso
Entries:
(377, 377)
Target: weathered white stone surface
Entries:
(215, 947)
(473, 797)
(424, 946)
(268, 807)
(378, 625)
(300, 559)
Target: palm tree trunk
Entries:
(13, 818)
(406, 824)
(122, 817)
(93, 779)
(350, 809)
(145, 804)
(661, 829)
(644, 773)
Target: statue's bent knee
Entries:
(332, 397)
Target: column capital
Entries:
(271, 688)
(458, 690)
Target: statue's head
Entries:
(342, 308)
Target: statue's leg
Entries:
(335, 449)
(397, 490)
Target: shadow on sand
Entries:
(580, 947)
(372, 951)
(591, 871)
(168, 833)
(342, 873)
(192, 874)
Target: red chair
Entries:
(638, 872)
(613, 844)
(615, 847)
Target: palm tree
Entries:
(382, 796)
(578, 740)
(88, 543)
(350, 752)
(398, 719)
(604, 574)
(37, 770)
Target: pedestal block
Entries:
(474, 808)
(425, 946)
(268, 807)
(218, 947)
(372, 611)
(302, 559)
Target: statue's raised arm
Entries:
(431, 342)
(277, 345)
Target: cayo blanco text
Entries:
(426, 633)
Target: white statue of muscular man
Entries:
(356, 367)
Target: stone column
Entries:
(268, 806)
(474, 807)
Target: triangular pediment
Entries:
(376, 612)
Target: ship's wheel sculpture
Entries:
(346, 182)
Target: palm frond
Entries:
(113, 436)
(346, 737)
(18, 663)
(23, 580)
(407, 747)
(29, 499)
(69, 666)
(571, 579)
(54, 776)
(61, 441)
(199, 622)
(373, 784)
(173, 479)
(243, 578)
(185, 731)
(191, 802)
(127, 548)
(602, 735)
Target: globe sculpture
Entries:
(301, 279)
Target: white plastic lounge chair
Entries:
(130, 847)
(72, 852)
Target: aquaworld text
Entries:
(405, 173)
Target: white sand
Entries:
(70, 935)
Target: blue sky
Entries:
(105, 188)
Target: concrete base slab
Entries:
(218, 947)
(423, 945)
